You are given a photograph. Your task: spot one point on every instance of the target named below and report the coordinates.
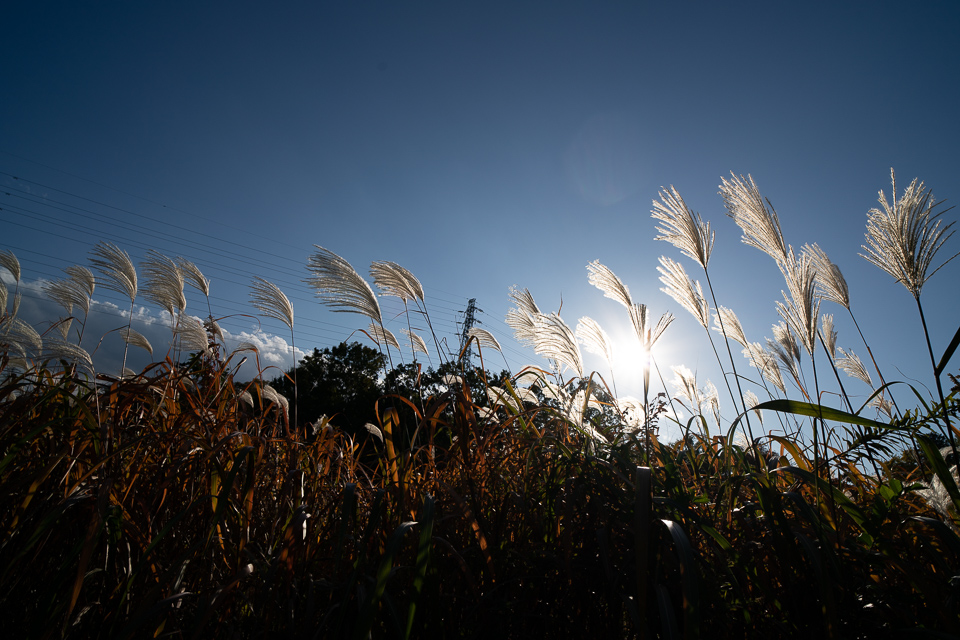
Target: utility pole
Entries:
(469, 319)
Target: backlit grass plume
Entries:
(484, 338)
(340, 287)
(604, 279)
(417, 343)
(727, 323)
(273, 303)
(119, 275)
(117, 269)
(801, 305)
(9, 262)
(382, 336)
(904, 236)
(163, 283)
(683, 228)
(755, 216)
(686, 292)
(555, 340)
(394, 280)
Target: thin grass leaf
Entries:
(819, 411)
(425, 522)
(951, 348)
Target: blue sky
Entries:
(480, 145)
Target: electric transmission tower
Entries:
(469, 319)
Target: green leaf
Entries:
(816, 411)
(948, 353)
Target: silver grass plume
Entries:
(903, 238)
(829, 334)
(271, 301)
(750, 400)
(339, 286)
(117, 269)
(831, 285)
(163, 282)
(69, 352)
(417, 343)
(604, 279)
(213, 327)
(16, 303)
(63, 327)
(522, 319)
(3, 298)
(19, 336)
(382, 336)
(631, 410)
(882, 404)
(683, 228)
(754, 215)
(76, 290)
(685, 388)
(801, 305)
(9, 261)
(524, 300)
(592, 336)
(648, 336)
(686, 292)
(500, 396)
(786, 350)
(193, 275)
(193, 337)
(712, 399)
(373, 430)
(851, 364)
(555, 340)
(766, 363)
(136, 339)
(394, 280)
(485, 339)
(247, 346)
(270, 394)
(731, 323)
(937, 496)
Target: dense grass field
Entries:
(179, 501)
